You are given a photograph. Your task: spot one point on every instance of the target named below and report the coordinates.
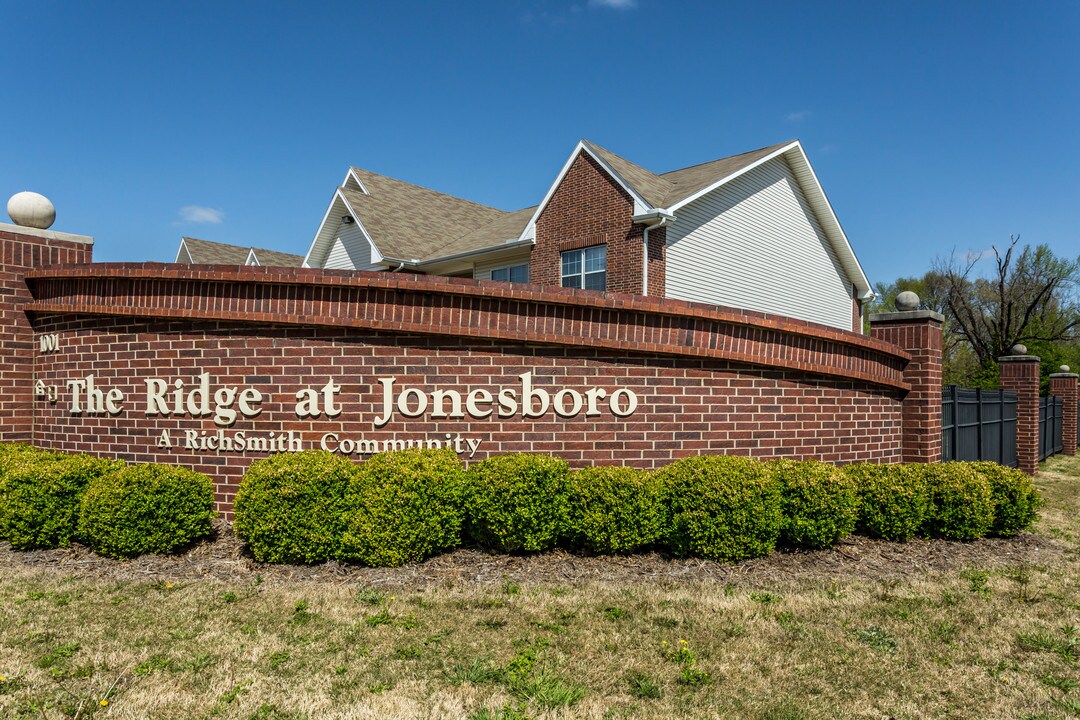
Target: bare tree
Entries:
(1031, 298)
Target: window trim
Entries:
(509, 273)
(582, 275)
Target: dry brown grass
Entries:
(871, 630)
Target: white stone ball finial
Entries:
(30, 209)
(907, 301)
(1018, 349)
(1064, 368)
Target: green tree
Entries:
(1030, 298)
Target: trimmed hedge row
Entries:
(48, 499)
(404, 506)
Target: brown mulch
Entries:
(224, 557)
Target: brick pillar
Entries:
(23, 248)
(918, 332)
(1063, 385)
(1020, 373)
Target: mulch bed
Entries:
(224, 557)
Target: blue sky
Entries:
(932, 126)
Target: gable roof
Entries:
(273, 258)
(408, 221)
(667, 189)
(412, 224)
(672, 190)
(207, 252)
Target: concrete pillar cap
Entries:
(1019, 358)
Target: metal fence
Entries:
(1051, 414)
(978, 425)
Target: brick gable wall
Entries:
(590, 208)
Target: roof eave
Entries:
(464, 255)
(183, 248)
(640, 204)
(833, 228)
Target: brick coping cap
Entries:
(47, 234)
(907, 316)
(1065, 376)
(465, 286)
(1020, 358)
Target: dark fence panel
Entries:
(978, 425)
(1051, 415)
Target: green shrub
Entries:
(892, 500)
(16, 455)
(614, 509)
(143, 509)
(820, 504)
(403, 506)
(41, 496)
(290, 506)
(12, 454)
(722, 507)
(1015, 499)
(961, 504)
(516, 503)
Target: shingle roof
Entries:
(273, 258)
(687, 181)
(666, 189)
(648, 185)
(207, 252)
(407, 221)
(505, 229)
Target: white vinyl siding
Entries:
(755, 244)
(350, 250)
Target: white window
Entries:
(514, 273)
(585, 268)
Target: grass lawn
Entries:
(869, 630)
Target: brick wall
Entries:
(709, 380)
(1020, 373)
(687, 406)
(20, 250)
(919, 333)
(1063, 385)
(589, 208)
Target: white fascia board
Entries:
(329, 225)
(319, 231)
(351, 175)
(183, 249)
(376, 254)
(252, 258)
(494, 249)
(728, 178)
(821, 205)
(640, 206)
